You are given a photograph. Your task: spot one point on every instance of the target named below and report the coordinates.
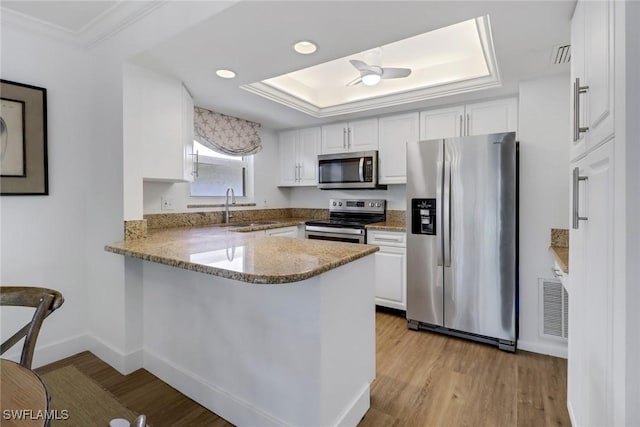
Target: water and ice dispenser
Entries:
(423, 216)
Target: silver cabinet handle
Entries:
(300, 171)
(344, 137)
(576, 198)
(461, 125)
(577, 90)
(348, 137)
(468, 123)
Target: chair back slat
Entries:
(44, 300)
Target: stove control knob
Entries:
(371, 204)
(378, 205)
(334, 203)
(339, 203)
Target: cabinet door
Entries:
(362, 135)
(283, 232)
(578, 147)
(187, 135)
(442, 123)
(334, 138)
(391, 277)
(288, 164)
(395, 132)
(162, 132)
(308, 149)
(492, 117)
(598, 57)
(590, 363)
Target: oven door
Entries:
(335, 234)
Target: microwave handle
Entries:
(361, 169)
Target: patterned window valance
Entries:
(226, 134)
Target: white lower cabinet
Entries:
(592, 291)
(391, 268)
(283, 232)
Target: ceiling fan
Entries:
(371, 73)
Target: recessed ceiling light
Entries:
(305, 47)
(225, 74)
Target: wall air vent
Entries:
(561, 54)
(553, 309)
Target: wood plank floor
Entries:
(423, 379)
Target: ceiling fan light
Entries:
(371, 79)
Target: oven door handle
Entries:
(361, 169)
(334, 230)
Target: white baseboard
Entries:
(224, 404)
(557, 350)
(356, 410)
(49, 353)
(124, 363)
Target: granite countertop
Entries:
(560, 247)
(223, 251)
(388, 226)
(561, 254)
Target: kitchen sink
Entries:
(249, 224)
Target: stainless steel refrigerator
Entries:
(462, 197)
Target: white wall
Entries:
(311, 197)
(43, 237)
(266, 194)
(58, 240)
(544, 195)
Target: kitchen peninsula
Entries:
(260, 330)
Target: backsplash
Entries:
(560, 237)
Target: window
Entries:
(217, 172)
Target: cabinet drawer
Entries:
(386, 238)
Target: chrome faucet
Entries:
(228, 215)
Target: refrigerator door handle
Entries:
(446, 216)
(439, 208)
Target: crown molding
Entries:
(104, 26)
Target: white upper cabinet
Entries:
(288, 160)
(307, 152)
(299, 157)
(359, 135)
(442, 123)
(394, 133)
(188, 167)
(492, 117)
(592, 40)
(165, 123)
(472, 119)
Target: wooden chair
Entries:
(45, 301)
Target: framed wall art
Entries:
(23, 139)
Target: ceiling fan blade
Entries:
(360, 65)
(355, 81)
(395, 73)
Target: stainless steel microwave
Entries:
(348, 170)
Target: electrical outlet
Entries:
(166, 203)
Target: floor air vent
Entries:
(554, 309)
(561, 54)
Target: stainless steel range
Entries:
(347, 220)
